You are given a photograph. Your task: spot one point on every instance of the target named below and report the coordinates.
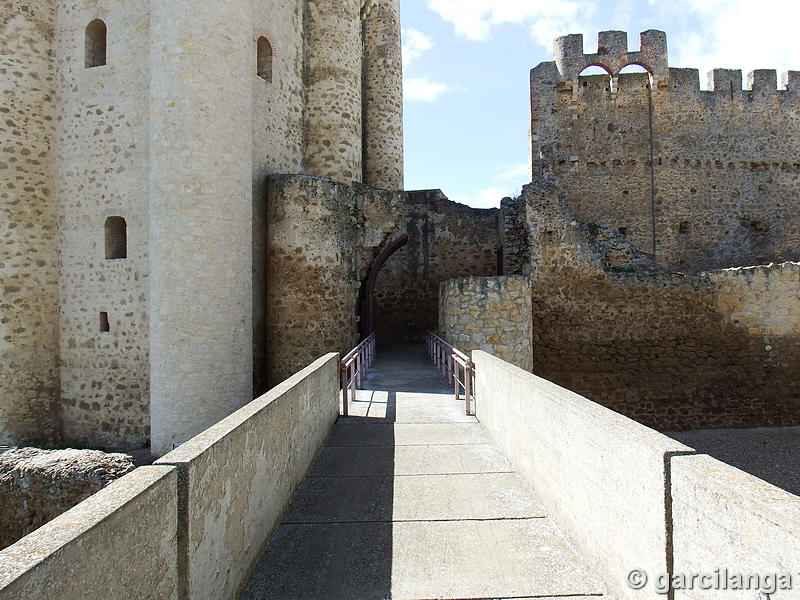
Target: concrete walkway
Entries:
(409, 499)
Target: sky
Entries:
(467, 63)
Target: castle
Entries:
(199, 200)
(137, 138)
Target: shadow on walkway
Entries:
(409, 499)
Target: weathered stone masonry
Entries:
(492, 314)
(675, 351)
(29, 411)
(167, 125)
(635, 148)
(324, 238)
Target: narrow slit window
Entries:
(96, 34)
(264, 59)
(116, 238)
(105, 326)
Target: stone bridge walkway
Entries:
(409, 499)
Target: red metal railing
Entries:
(452, 363)
(353, 367)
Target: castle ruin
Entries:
(198, 201)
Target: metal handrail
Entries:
(452, 362)
(353, 367)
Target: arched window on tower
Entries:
(116, 238)
(264, 59)
(96, 33)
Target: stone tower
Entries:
(383, 97)
(28, 243)
(136, 148)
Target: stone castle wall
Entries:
(312, 284)
(334, 123)
(672, 350)
(445, 240)
(324, 240)
(492, 314)
(278, 140)
(176, 134)
(28, 240)
(716, 170)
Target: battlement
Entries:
(612, 54)
(730, 81)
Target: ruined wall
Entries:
(708, 178)
(673, 351)
(201, 216)
(102, 171)
(324, 238)
(38, 485)
(312, 285)
(28, 251)
(278, 140)
(445, 240)
(492, 314)
(383, 97)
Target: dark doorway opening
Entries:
(368, 311)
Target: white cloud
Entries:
(736, 34)
(507, 181)
(415, 44)
(475, 19)
(487, 198)
(514, 173)
(419, 89)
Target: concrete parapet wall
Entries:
(241, 473)
(600, 475)
(119, 543)
(633, 499)
(192, 525)
(729, 521)
(492, 314)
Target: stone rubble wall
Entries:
(445, 240)
(29, 411)
(312, 284)
(492, 314)
(333, 86)
(38, 485)
(324, 238)
(672, 350)
(383, 97)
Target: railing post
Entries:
(468, 385)
(343, 375)
(455, 375)
(358, 369)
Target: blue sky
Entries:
(467, 63)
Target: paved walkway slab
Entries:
(409, 500)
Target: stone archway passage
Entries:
(368, 321)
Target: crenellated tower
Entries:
(696, 179)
